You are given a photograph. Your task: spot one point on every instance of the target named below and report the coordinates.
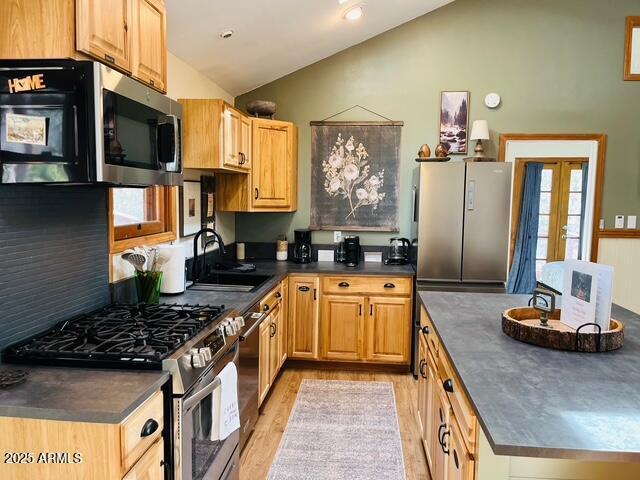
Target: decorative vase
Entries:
(425, 151)
(441, 150)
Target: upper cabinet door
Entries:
(272, 164)
(245, 142)
(150, 43)
(231, 138)
(102, 31)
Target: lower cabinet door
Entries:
(264, 371)
(151, 464)
(460, 465)
(424, 399)
(274, 341)
(388, 329)
(341, 327)
(441, 415)
(303, 317)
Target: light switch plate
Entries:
(373, 257)
(602, 224)
(337, 236)
(619, 221)
(631, 222)
(325, 255)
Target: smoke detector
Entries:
(228, 33)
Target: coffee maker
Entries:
(352, 250)
(302, 247)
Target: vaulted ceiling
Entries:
(272, 38)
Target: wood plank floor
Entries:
(261, 449)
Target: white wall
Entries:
(623, 254)
(184, 81)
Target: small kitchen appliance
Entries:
(173, 269)
(82, 122)
(351, 250)
(302, 247)
(398, 251)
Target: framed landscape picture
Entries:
(191, 204)
(454, 121)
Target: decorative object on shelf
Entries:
(355, 172)
(261, 108)
(190, 206)
(492, 100)
(632, 49)
(479, 132)
(523, 324)
(425, 151)
(454, 121)
(442, 151)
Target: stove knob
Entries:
(240, 321)
(230, 329)
(197, 360)
(206, 353)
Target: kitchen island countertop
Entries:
(537, 402)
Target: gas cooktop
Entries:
(121, 336)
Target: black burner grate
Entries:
(141, 334)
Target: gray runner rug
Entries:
(341, 430)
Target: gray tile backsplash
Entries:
(54, 256)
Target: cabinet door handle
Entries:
(149, 427)
(343, 284)
(303, 289)
(371, 309)
(273, 329)
(443, 443)
(455, 460)
(257, 193)
(315, 293)
(278, 295)
(389, 285)
(109, 58)
(360, 309)
(266, 307)
(442, 426)
(425, 330)
(448, 385)
(423, 364)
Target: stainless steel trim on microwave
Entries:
(108, 79)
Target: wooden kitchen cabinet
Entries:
(440, 420)
(275, 344)
(128, 35)
(303, 317)
(424, 394)
(341, 327)
(264, 361)
(214, 138)
(460, 465)
(283, 346)
(150, 466)
(99, 451)
(272, 184)
(387, 329)
(149, 40)
(103, 31)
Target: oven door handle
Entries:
(195, 398)
(246, 334)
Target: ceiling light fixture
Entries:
(228, 33)
(354, 13)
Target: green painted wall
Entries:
(556, 63)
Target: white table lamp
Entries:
(479, 132)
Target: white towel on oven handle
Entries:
(228, 412)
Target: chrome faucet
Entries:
(195, 271)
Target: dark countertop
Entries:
(242, 301)
(78, 394)
(537, 402)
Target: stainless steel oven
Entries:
(67, 122)
(197, 456)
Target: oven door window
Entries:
(203, 448)
(131, 132)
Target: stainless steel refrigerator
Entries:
(460, 228)
(461, 222)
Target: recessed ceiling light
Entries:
(228, 33)
(353, 14)
(342, 1)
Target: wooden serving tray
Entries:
(523, 324)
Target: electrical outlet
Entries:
(631, 222)
(337, 236)
(619, 221)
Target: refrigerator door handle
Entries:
(414, 205)
(471, 195)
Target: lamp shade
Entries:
(480, 130)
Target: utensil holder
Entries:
(148, 286)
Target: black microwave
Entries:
(79, 122)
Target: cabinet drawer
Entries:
(135, 440)
(428, 332)
(367, 285)
(272, 299)
(459, 403)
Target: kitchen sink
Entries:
(230, 282)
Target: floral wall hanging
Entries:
(354, 178)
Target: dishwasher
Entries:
(249, 370)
